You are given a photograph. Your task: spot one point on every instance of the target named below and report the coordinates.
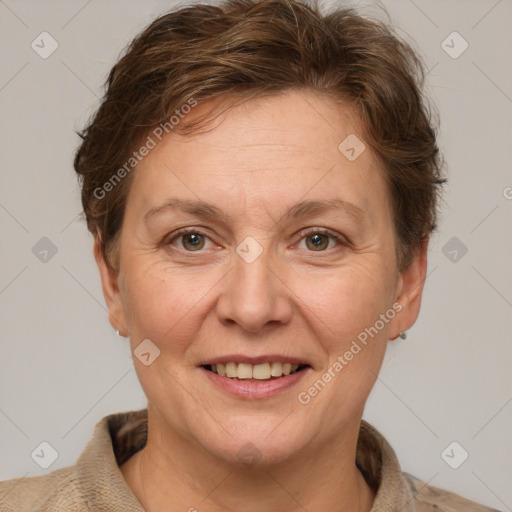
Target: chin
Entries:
(251, 443)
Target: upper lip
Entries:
(266, 358)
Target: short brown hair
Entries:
(240, 49)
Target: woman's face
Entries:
(290, 258)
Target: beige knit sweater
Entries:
(95, 482)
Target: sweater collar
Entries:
(118, 436)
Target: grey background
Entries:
(62, 368)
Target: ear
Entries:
(109, 285)
(410, 291)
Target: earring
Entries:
(402, 335)
(117, 332)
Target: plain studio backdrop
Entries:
(443, 398)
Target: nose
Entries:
(255, 295)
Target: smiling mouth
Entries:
(263, 371)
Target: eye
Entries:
(317, 240)
(191, 239)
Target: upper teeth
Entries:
(254, 371)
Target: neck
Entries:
(186, 477)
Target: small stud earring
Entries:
(402, 335)
(117, 332)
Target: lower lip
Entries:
(255, 389)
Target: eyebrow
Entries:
(302, 209)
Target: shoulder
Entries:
(433, 499)
(55, 491)
(94, 482)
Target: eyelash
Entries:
(341, 240)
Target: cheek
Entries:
(165, 305)
(342, 306)
(348, 324)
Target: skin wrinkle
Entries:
(288, 301)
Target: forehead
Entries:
(275, 150)
(302, 121)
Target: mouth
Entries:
(254, 378)
(255, 372)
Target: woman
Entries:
(261, 181)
